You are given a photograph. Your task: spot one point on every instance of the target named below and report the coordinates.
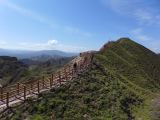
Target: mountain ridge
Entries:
(22, 54)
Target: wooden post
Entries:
(24, 90)
(43, 82)
(7, 100)
(1, 93)
(38, 87)
(18, 88)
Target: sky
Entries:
(77, 25)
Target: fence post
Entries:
(7, 100)
(1, 94)
(43, 82)
(24, 92)
(18, 88)
(31, 87)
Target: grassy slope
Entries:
(136, 63)
(120, 86)
(91, 96)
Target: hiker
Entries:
(80, 54)
(75, 67)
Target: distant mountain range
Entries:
(21, 54)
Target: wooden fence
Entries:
(21, 91)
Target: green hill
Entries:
(121, 85)
(11, 70)
(133, 62)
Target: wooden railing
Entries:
(21, 91)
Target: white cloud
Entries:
(52, 42)
(49, 45)
(28, 13)
(44, 20)
(146, 17)
(137, 9)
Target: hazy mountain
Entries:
(21, 54)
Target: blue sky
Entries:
(77, 25)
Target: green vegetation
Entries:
(37, 70)
(13, 70)
(121, 85)
(91, 96)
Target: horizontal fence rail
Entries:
(21, 91)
